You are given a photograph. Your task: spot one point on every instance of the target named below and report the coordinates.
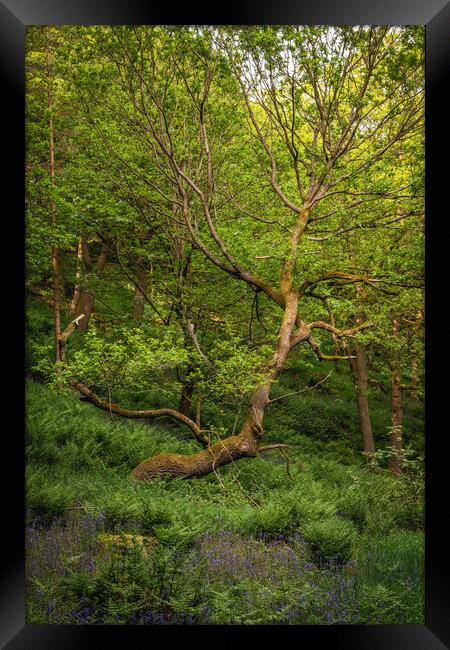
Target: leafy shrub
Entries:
(329, 471)
(353, 506)
(273, 518)
(153, 515)
(47, 500)
(410, 515)
(122, 514)
(398, 557)
(378, 604)
(331, 538)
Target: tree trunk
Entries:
(396, 437)
(138, 298)
(56, 273)
(361, 380)
(187, 393)
(85, 305)
(246, 443)
(206, 461)
(77, 288)
(85, 302)
(360, 377)
(414, 378)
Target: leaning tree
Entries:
(264, 145)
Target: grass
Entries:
(328, 542)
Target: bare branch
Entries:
(303, 390)
(274, 446)
(110, 407)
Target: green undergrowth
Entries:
(79, 460)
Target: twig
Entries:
(281, 446)
(303, 390)
(274, 446)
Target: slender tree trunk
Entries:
(187, 394)
(56, 273)
(396, 435)
(77, 288)
(361, 380)
(85, 301)
(138, 298)
(360, 377)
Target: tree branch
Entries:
(319, 324)
(303, 390)
(326, 357)
(274, 446)
(110, 407)
(70, 328)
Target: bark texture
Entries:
(221, 453)
(85, 302)
(77, 288)
(396, 435)
(187, 393)
(139, 292)
(56, 273)
(360, 377)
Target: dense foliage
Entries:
(328, 542)
(225, 232)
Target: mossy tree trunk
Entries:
(361, 380)
(140, 291)
(360, 374)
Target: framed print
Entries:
(231, 240)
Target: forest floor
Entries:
(310, 535)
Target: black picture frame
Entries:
(15, 15)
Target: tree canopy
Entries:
(205, 202)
